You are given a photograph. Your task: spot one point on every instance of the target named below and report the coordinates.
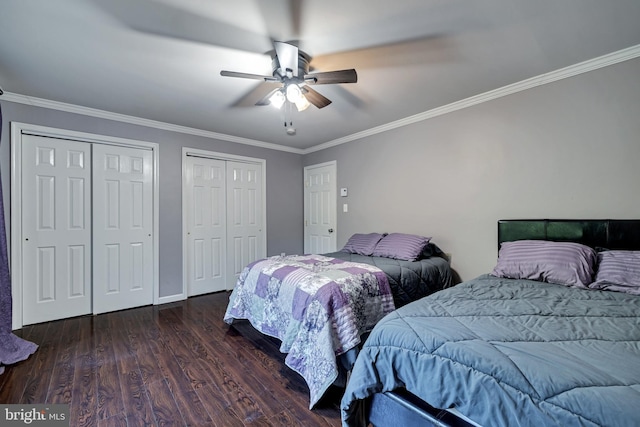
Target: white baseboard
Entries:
(170, 298)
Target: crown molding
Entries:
(93, 112)
(553, 76)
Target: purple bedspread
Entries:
(319, 307)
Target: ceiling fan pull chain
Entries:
(288, 111)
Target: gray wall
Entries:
(569, 149)
(284, 173)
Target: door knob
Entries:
(331, 230)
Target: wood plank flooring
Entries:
(177, 364)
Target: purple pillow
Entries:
(563, 263)
(362, 244)
(618, 271)
(402, 246)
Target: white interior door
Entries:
(56, 228)
(205, 197)
(122, 228)
(320, 208)
(244, 217)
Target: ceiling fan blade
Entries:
(315, 98)
(259, 91)
(287, 57)
(282, 18)
(332, 77)
(430, 49)
(265, 100)
(295, 9)
(173, 21)
(249, 76)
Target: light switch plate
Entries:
(343, 192)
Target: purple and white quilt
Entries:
(319, 307)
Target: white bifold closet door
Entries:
(56, 222)
(206, 224)
(224, 221)
(244, 217)
(87, 214)
(122, 228)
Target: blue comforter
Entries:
(507, 352)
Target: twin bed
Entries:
(321, 307)
(508, 348)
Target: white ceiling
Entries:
(161, 59)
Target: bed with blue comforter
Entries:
(507, 352)
(550, 338)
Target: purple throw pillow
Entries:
(618, 271)
(362, 244)
(563, 263)
(401, 246)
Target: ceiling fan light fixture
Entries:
(302, 103)
(277, 99)
(293, 93)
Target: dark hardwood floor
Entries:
(171, 365)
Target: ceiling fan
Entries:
(291, 74)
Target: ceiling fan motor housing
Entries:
(303, 67)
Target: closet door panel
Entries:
(244, 208)
(204, 190)
(122, 227)
(56, 228)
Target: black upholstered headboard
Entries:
(597, 233)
